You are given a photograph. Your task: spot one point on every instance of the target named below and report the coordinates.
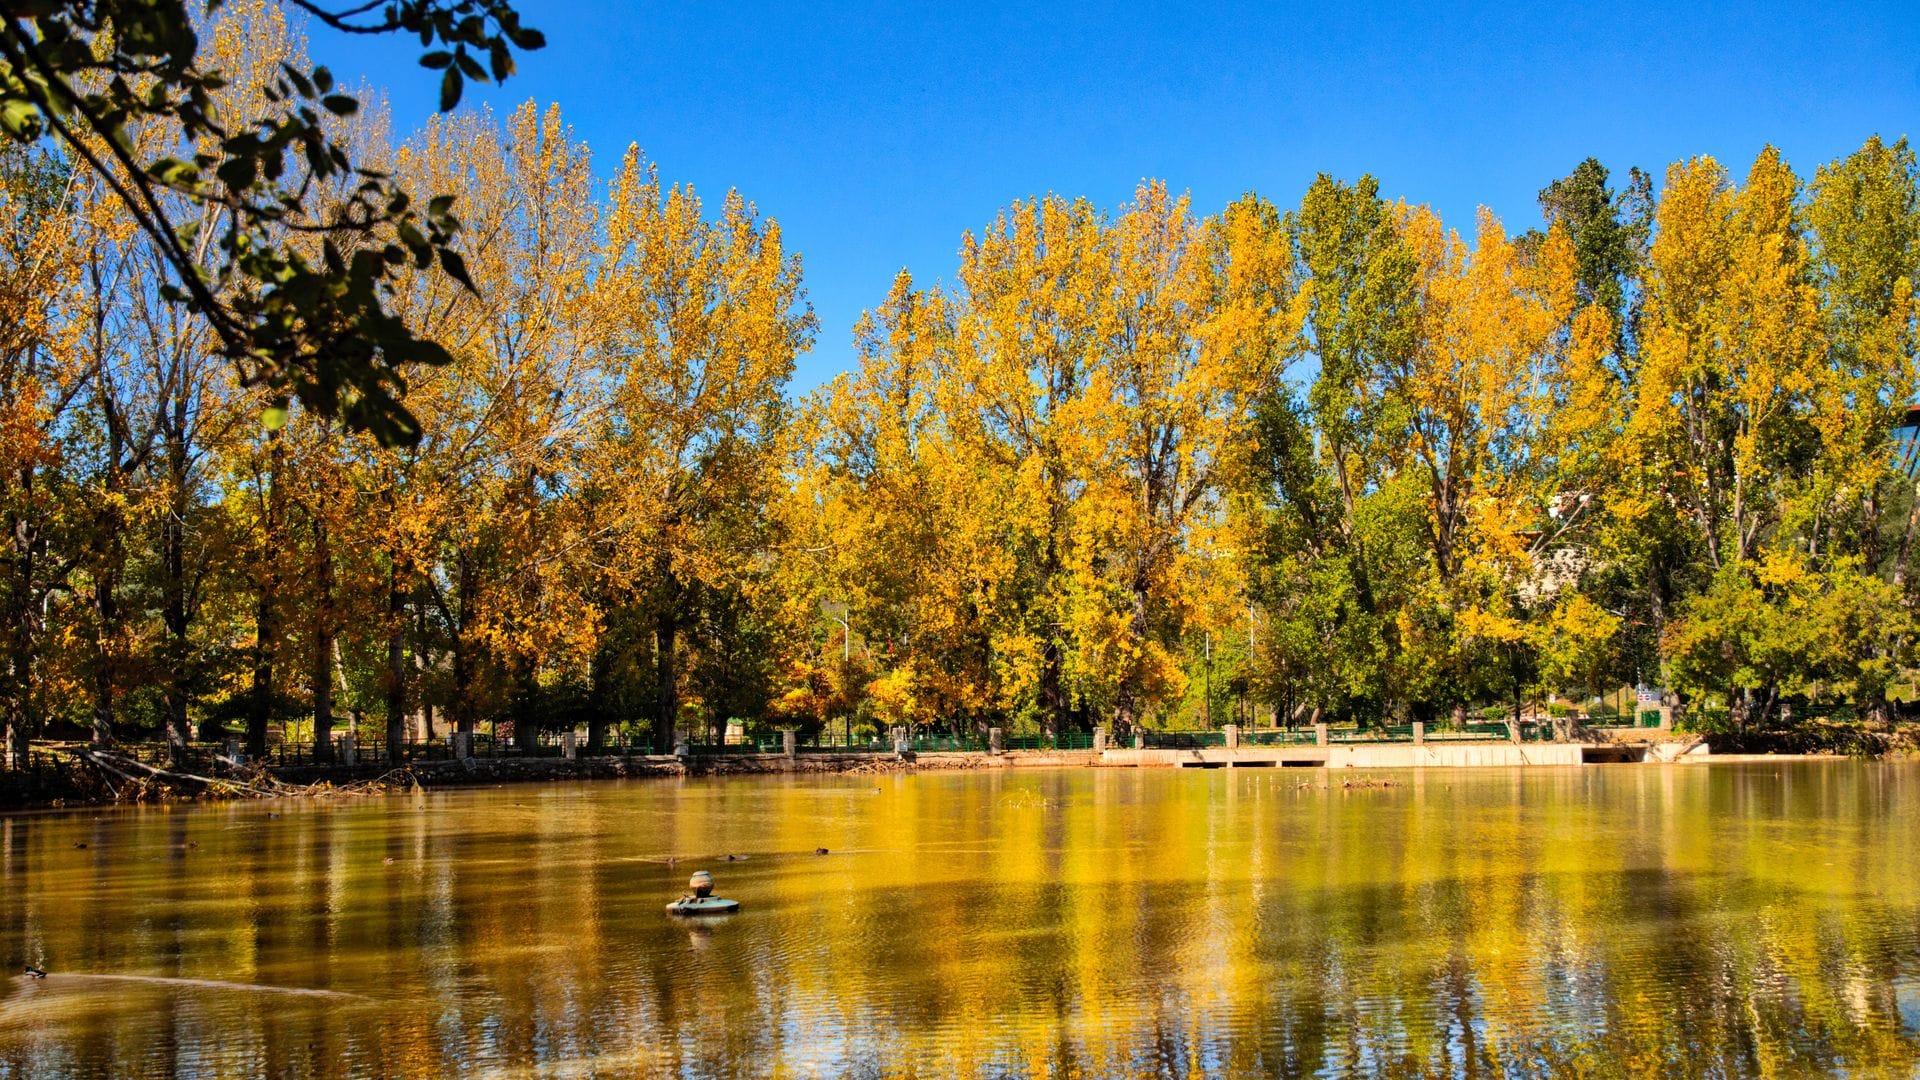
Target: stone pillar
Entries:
(233, 751)
(1513, 731)
(348, 754)
(902, 742)
(1139, 739)
(996, 741)
(1100, 740)
(462, 743)
(1419, 733)
(1320, 735)
(1562, 729)
(1232, 732)
(569, 745)
(789, 743)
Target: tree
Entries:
(1609, 231)
(89, 74)
(42, 376)
(700, 322)
(1321, 474)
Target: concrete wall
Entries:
(1356, 756)
(1146, 759)
(1451, 755)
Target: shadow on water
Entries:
(1631, 922)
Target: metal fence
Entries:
(371, 749)
(369, 743)
(1279, 737)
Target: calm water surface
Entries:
(1726, 920)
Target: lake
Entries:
(1635, 920)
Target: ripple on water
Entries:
(1095, 923)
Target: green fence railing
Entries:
(1278, 737)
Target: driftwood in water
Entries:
(253, 782)
(117, 763)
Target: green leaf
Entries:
(410, 236)
(456, 268)
(238, 173)
(274, 418)
(21, 118)
(173, 172)
(450, 90)
(340, 104)
(470, 66)
(299, 80)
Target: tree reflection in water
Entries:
(1727, 920)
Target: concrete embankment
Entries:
(1355, 756)
(504, 770)
(480, 771)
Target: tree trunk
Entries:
(1880, 711)
(106, 622)
(396, 666)
(526, 727)
(176, 651)
(109, 564)
(420, 668)
(460, 708)
(322, 671)
(597, 699)
(20, 628)
(1053, 703)
(260, 699)
(19, 685)
(265, 630)
(667, 702)
(460, 705)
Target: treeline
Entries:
(1138, 467)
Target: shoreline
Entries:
(74, 786)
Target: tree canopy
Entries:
(1140, 466)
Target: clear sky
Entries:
(877, 133)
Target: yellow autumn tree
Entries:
(1731, 347)
(698, 322)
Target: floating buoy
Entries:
(702, 902)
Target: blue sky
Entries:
(876, 133)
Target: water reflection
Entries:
(1608, 921)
